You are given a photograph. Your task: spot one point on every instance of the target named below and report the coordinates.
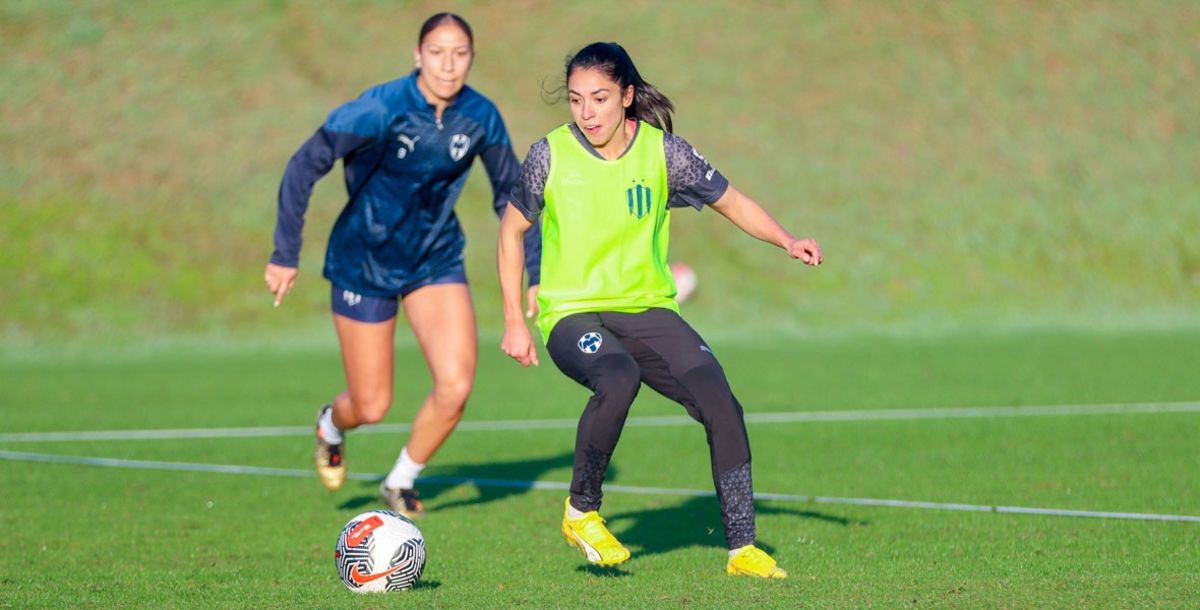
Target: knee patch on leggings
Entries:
(710, 390)
(617, 377)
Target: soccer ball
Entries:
(685, 281)
(379, 551)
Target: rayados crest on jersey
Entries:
(459, 143)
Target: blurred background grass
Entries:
(965, 165)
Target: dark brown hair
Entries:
(649, 104)
(440, 19)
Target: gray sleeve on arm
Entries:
(691, 180)
(529, 196)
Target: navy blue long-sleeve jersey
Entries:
(404, 172)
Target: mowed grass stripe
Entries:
(649, 421)
(558, 486)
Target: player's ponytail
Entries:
(649, 104)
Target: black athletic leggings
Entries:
(612, 354)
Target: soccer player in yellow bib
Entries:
(603, 185)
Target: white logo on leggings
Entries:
(590, 343)
(350, 298)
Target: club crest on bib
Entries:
(638, 199)
(459, 143)
(590, 343)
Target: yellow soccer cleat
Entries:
(589, 535)
(753, 561)
(331, 469)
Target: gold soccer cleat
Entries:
(403, 501)
(331, 469)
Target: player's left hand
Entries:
(531, 307)
(807, 250)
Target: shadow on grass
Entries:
(695, 522)
(492, 481)
(602, 572)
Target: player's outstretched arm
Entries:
(510, 263)
(750, 217)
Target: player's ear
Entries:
(627, 97)
(417, 58)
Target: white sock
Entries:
(404, 472)
(329, 432)
(573, 513)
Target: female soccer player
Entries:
(406, 147)
(602, 186)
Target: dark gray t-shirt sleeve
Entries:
(529, 196)
(691, 180)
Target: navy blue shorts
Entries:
(364, 308)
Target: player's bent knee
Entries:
(706, 379)
(371, 417)
(618, 378)
(372, 410)
(707, 383)
(452, 395)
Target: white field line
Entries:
(558, 486)
(652, 421)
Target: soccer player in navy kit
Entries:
(406, 147)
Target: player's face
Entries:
(598, 106)
(444, 57)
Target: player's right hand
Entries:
(518, 344)
(280, 280)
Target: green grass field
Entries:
(80, 535)
(1007, 200)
